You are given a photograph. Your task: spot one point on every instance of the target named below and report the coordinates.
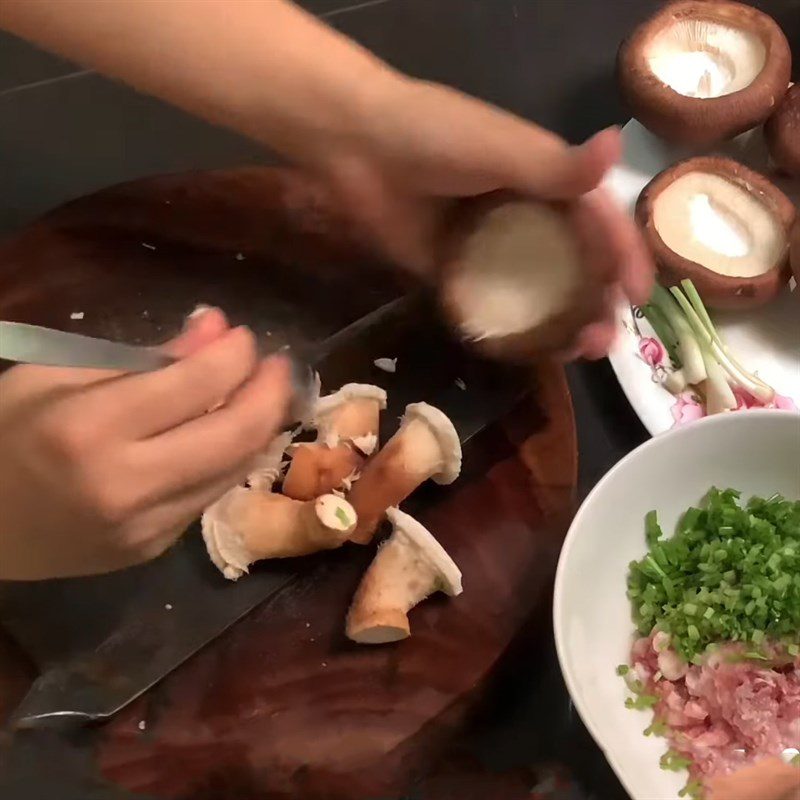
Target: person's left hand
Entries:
(425, 144)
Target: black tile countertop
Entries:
(65, 132)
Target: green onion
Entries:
(693, 790)
(623, 669)
(657, 728)
(688, 349)
(685, 586)
(641, 702)
(674, 762)
(711, 345)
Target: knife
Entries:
(142, 641)
(34, 344)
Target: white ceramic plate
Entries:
(766, 341)
(757, 452)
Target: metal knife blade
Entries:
(33, 344)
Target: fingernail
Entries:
(200, 310)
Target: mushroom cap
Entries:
(350, 391)
(760, 203)
(782, 133)
(697, 95)
(224, 544)
(446, 435)
(794, 249)
(428, 548)
(513, 276)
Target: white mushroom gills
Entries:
(518, 268)
(409, 567)
(351, 414)
(432, 440)
(718, 224)
(706, 59)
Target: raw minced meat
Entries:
(726, 712)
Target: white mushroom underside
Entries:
(712, 221)
(706, 59)
(424, 549)
(518, 268)
(434, 438)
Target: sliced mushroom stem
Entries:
(409, 567)
(426, 446)
(317, 469)
(247, 526)
(351, 415)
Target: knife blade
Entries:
(33, 344)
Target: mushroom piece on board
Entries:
(245, 526)
(351, 415)
(317, 469)
(409, 566)
(699, 72)
(426, 446)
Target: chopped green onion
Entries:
(641, 702)
(674, 762)
(684, 585)
(623, 669)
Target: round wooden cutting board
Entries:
(282, 705)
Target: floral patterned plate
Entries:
(766, 341)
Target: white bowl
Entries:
(757, 452)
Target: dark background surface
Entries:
(65, 132)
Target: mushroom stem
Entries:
(245, 526)
(317, 469)
(426, 446)
(409, 567)
(350, 415)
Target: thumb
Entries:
(566, 172)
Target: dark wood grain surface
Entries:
(282, 705)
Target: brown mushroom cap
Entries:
(513, 280)
(744, 264)
(782, 133)
(703, 71)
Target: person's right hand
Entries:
(100, 471)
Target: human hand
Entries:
(100, 471)
(425, 144)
